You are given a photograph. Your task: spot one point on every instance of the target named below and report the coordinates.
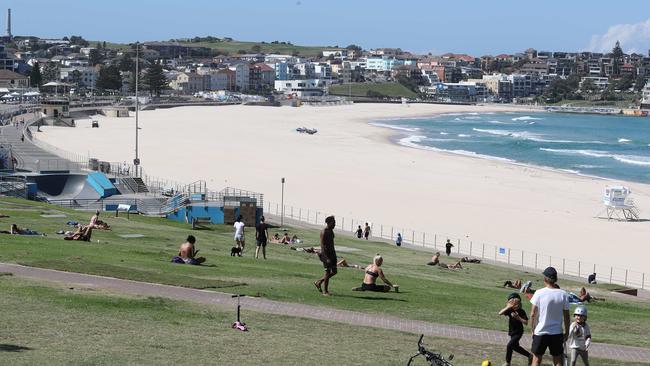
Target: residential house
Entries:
(81, 76)
(189, 83)
(13, 80)
(302, 88)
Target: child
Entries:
(517, 318)
(579, 336)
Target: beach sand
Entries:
(352, 169)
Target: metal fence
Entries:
(474, 248)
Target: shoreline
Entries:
(353, 169)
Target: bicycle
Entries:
(434, 359)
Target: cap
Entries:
(550, 273)
(486, 363)
(514, 295)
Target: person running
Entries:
(359, 232)
(579, 336)
(366, 231)
(374, 271)
(550, 308)
(517, 318)
(327, 255)
(239, 233)
(261, 238)
(448, 247)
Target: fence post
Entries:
(458, 247)
(578, 268)
(292, 212)
(381, 231)
(522, 258)
(276, 208)
(626, 277)
(470, 248)
(423, 240)
(643, 280)
(308, 215)
(413, 237)
(300, 214)
(391, 232)
(483, 251)
(495, 253)
(563, 264)
(508, 255)
(594, 268)
(316, 220)
(435, 240)
(342, 223)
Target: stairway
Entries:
(136, 185)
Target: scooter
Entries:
(239, 324)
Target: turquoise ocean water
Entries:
(614, 147)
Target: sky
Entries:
(476, 27)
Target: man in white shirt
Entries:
(550, 308)
(239, 233)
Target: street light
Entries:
(136, 161)
(282, 212)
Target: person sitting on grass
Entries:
(374, 271)
(285, 239)
(585, 296)
(187, 253)
(435, 260)
(276, 238)
(24, 231)
(295, 240)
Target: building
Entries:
(13, 80)
(499, 86)
(521, 85)
(261, 77)
(189, 83)
(453, 92)
(80, 76)
(645, 101)
(383, 63)
(242, 76)
(283, 70)
(600, 82)
(302, 88)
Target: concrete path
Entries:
(615, 352)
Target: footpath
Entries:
(601, 350)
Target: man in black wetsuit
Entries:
(327, 255)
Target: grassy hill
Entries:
(361, 89)
(469, 297)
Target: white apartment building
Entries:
(302, 88)
(84, 76)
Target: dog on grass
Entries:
(234, 251)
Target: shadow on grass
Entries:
(372, 298)
(13, 348)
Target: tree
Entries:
(51, 72)
(109, 78)
(353, 47)
(588, 86)
(639, 83)
(617, 55)
(256, 48)
(35, 77)
(126, 63)
(155, 79)
(95, 57)
(78, 41)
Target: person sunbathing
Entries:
(275, 238)
(374, 271)
(456, 265)
(515, 285)
(187, 253)
(585, 296)
(15, 230)
(101, 225)
(83, 233)
(435, 260)
(285, 239)
(295, 240)
(344, 263)
(470, 260)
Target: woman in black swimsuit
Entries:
(374, 271)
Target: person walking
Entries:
(550, 307)
(517, 318)
(366, 231)
(261, 238)
(359, 232)
(239, 233)
(327, 255)
(448, 247)
(579, 337)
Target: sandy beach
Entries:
(353, 169)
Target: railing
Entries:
(13, 186)
(466, 247)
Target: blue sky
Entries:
(476, 27)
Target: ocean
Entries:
(614, 147)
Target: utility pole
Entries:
(136, 161)
(282, 212)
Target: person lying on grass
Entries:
(83, 233)
(435, 261)
(374, 271)
(344, 263)
(24, 231)
(187, 253)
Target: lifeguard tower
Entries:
(618, 203)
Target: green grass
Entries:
(469, 297)
(58, 325)
(234, 46)
(361, 89)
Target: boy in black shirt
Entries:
(517, 318)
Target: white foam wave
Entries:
(525, 135)
(531, 123)
(463, 135)
(498, 123)
(473, 117)
(525, 118)
(627, 159)
(623, 141)
(393, 127)
(444, 133)
(413, 141)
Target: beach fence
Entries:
(498, 254)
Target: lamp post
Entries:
(282, 211)
(136, 161)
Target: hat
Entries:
(550, 273)
(486, 363)
(514, 295)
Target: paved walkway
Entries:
(615, 352)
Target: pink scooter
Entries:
(239, 324)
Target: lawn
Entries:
(361, 89)
(469, 297)
(57, 325)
